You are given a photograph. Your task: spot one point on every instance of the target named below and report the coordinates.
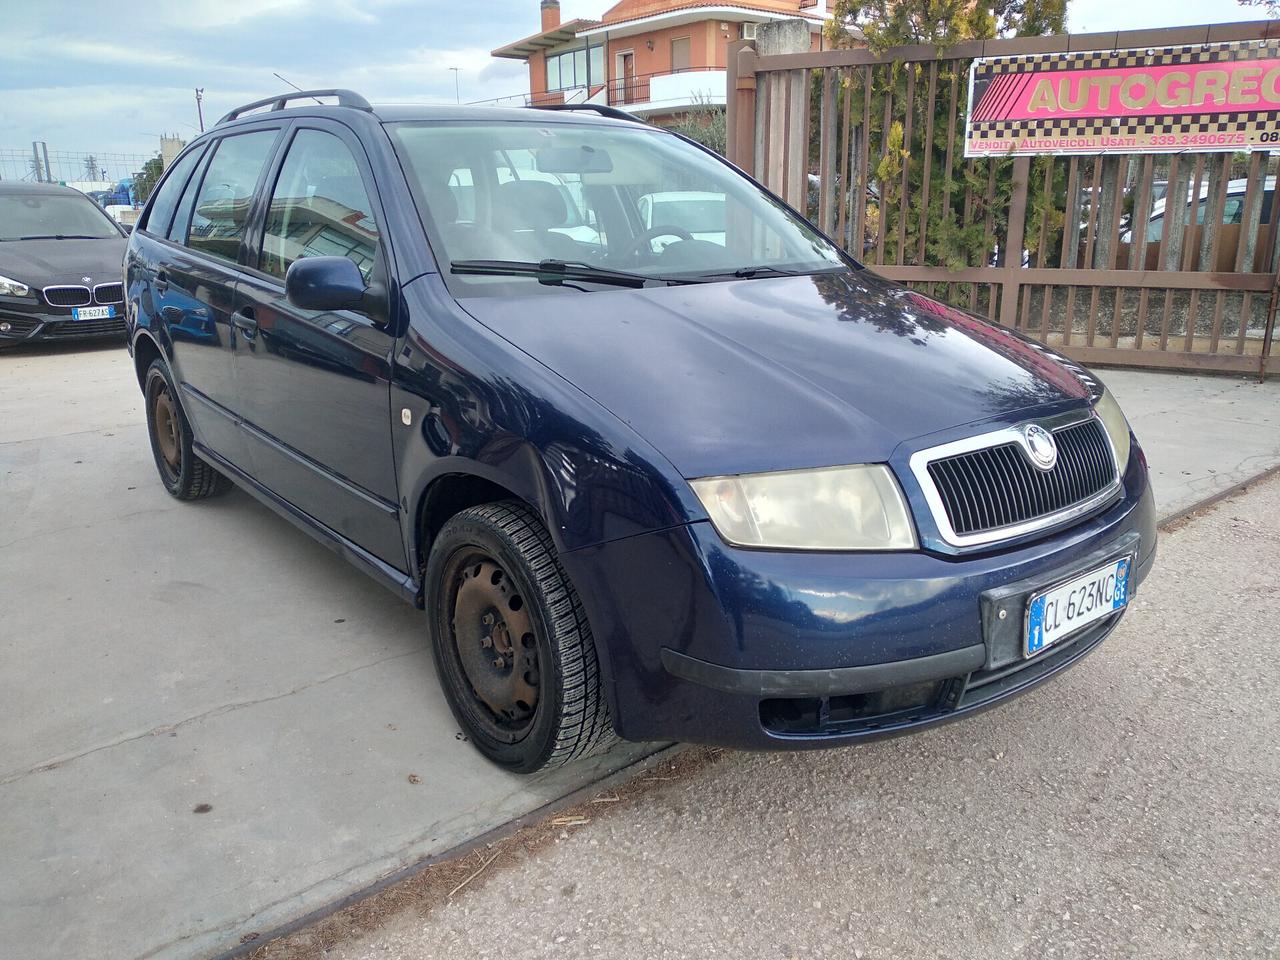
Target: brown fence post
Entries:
(740, 104)
(1011, 256)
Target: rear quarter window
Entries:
(160, 213)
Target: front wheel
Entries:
(511, 641)
(183, 473)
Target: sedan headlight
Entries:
(833, 508)
(12, 288)
(1117, 428)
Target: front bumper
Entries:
(38, 321)
(708, 643)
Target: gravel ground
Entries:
(1131, 808)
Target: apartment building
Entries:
(654, 58)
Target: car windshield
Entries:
(619, 198)
(39, 216)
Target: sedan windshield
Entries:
(40, 216)
(607, 199)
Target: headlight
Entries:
(1117, 428)
(834, 508)
(12, 288)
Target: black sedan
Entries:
(60, 265)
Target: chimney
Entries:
(550, 15)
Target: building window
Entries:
(576, 68)
(680, 51)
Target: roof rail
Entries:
(612, 113)
(346, 98)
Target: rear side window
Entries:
(182, 219)
(222, 205)
(162, 206)
(319, 207)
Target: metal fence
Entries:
(1076, 251)
(64, 165)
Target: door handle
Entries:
(243, 320)
(161, 282)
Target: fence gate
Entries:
(1077, 251)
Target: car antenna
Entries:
(296, 87)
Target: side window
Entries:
(226, 193)
(182, 219)
(166, 198)
(319, 207)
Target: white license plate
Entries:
(1071, 606)
(93, 313)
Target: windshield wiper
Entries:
(60, 236)
(556, 272)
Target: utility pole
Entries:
(457, 97)
(48, 170)
(37, 167)
(199, 108)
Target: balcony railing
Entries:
(649, 92)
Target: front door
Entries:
(315, 387)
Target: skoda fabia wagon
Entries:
(707, 479)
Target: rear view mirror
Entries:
(324, 283)
(580, 160)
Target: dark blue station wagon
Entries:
(657, 459)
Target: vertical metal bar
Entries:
(1246, 243)
(1017, 223)
(927, 157)
(951, 140)
(1115, 318)
(845, 181)
(884, 152)
(1138, 222)
(1044, 314)
(826, 152)
(1092, 227)
(1173, 212)
(864, 161)
(1142, 318)
(1071, 220)
(904, 196)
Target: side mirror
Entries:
(325, 283)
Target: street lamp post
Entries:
(457, 96)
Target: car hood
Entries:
(40, 263)
(774, 374)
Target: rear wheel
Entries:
(511, 641)
(182, 472)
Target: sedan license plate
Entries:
(93, 313)
(1073, 605)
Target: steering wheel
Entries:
(644, 242)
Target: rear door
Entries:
(195, 286)
(315, 386)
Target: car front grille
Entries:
(70, 296)
(85, 328)
(996, 489)
(108, 293)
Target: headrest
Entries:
(531, 204)
(443, 206)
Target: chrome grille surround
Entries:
(108, 293)
(921, 460)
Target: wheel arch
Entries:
(146, 350)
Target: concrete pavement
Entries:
(161, 658)
(1129, 808)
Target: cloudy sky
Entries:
(110, 76)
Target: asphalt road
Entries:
(159, 657)
(1130, 808)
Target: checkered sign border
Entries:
(1233, 51)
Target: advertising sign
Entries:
(1201, 97)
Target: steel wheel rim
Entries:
(167, 428)
(493, 643)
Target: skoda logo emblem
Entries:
(1040, 445)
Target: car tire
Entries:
(182, 472)
(511, 641)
